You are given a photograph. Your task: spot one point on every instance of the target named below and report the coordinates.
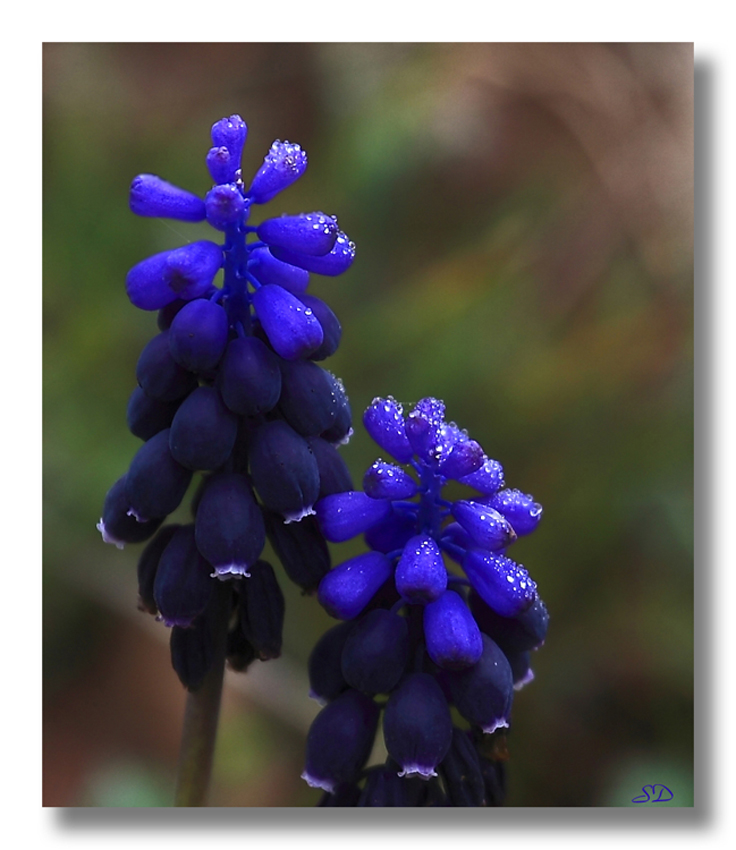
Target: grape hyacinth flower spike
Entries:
(230, 388)
(425, 636)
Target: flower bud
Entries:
(340, 740)
(284, 470)
(224, 206)
(183, 585)
(159, 375)
(308, 401)
(186, 273)
(156, 483)
(388, 481)
(331, 327)
(292, 328)
(152, 196)
(384, 422)
(203, 431)
(483, 693)
(519, 509)
(230, 134)
(147, 416)
(521, 633)
(249, 378)
(283, 165)
(417, 727)
(262, 610)
(326, 680)
(148, 565)
(421, 575)
(117, 525)
(198, 335)
(301, 549)
(307, 233)
(376, 652)
(337, 261)
(452, 636)
(268, 270)
(343, 515)
(461, 772)
(487, 528)
(500, 582)
(229, 527)
(346, 590)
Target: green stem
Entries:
(201, 715)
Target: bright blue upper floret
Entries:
(266, 268)
(409, 525)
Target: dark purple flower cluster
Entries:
(231, 387)
(417, 631)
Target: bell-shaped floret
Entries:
(519, 509)
(376, 652)
(346, 590)
(343, 515)
(301, 549)
(451, 634)
(147, 416)
(183, 585)
(461, 772)
(155, 483)
(228, 137)
(154, 197)
(198, 335)
(261, 610)
(421, 575)
(291, 327)
(483, 693)
(159, 375)
(521, 633)
(203, 431)
(340, 740)
(387, 481)
(268, 270)
(308, 401)
(186, 273)
(337, 261)
(249, 378)
(229, 525)
(284, 470)
(331, 327)
(117, 525)
(500, 582)
(487, 528)
(225, 206)
(148, 565)
(417, 727)
(324, 667)
(487, 478)
(334, 475)
(283, 165)
(307, 233)
(384, 421)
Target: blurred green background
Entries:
(524, 221)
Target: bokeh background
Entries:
(524, 221)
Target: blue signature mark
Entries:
(663, 795)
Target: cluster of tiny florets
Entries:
(427, 635)
(231, 387)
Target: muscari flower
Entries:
(463, 640)
(230, 388)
